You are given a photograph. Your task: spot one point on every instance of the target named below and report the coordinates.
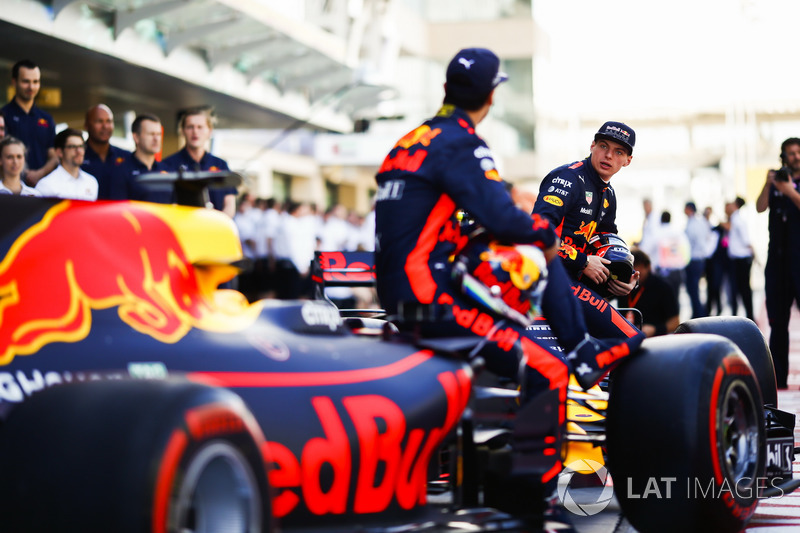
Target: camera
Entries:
(782, 174)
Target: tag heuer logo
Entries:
(588, 197)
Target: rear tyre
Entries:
(125, 456)
(685, 435)
(746, 335)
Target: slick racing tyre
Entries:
(746, 335)
(125, 456)
(685, 435)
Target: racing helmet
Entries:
(508, 279)
(610, 246)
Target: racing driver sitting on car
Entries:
(578, 199)
(431, 174)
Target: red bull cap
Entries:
(617, 132)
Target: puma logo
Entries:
(466, 62)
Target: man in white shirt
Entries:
(294, 247)
(741, 253)
(336, 235)
(245, 220)
(698, 230)
(68, 180)
(672, 251)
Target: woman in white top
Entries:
(12, 162)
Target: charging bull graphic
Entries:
(78, 258)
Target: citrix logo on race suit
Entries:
(561, 182)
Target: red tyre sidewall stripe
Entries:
(712, 424)
(166, 474)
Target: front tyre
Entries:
(133, 456)
(686, 435)
(746, 335)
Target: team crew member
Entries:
(196, 125)
(101, 156)
(29, 123)
(654, 298)
(147, 133)
(781, 195)
(431, 173)
(68, 180)
(12, 161)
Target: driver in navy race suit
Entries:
(579, 201)
(431, 174)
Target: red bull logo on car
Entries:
(78, 258)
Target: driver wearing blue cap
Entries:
(578, 199)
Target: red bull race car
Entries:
(136, 395)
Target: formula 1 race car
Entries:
(135, 395)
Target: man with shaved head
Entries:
(101, 156)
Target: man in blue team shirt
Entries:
(30, 124)
(196, 125)
(147, 134)
(101, 156)
(431, 174)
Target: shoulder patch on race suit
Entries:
(403, 158)
(422, 135)
(577, 164)
(482, 151)
(492, 175)
(555, 200)
(487, 163)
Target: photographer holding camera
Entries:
(780, 194)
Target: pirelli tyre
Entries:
(685, 435)
(125, 456)
(746, 335)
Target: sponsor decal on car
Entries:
(16, 386)
(144, 271)
(389, 464)
(321, 314)
(145, 370)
